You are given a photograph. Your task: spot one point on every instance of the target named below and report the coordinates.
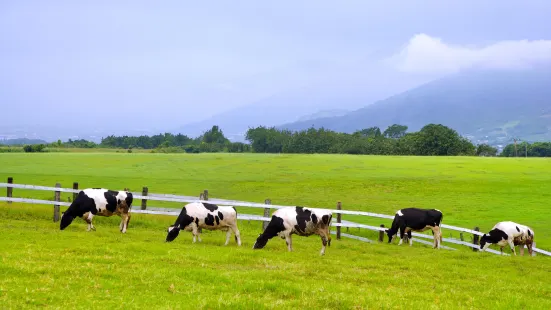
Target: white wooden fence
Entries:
(188, 199)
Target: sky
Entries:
(158, 65)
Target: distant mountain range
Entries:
(491, 106)
(21, 141)
(345, 89)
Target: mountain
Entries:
(349, 89)
(52, 133)
(485, 105)
(21, 141)
(324, 113)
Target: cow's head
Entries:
(66, 220)
(172, 232)
(124, 200)
(485, 239)
(260, 242)
(389, 233)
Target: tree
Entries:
(437, 139)
(485, 150)
(371, 132)
(395, 131)
(214, 135)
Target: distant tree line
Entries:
(431, 140)
(536, 149)
(212, 140)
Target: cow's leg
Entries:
(88, 218)
(199, 235)
(124, 222)
(512, 245)
(195, 233)
(521, 249)
(323, 243)
(228, 235)
(324, 234)
(401, 233)
(289, 242)
(410, 239)
(501, 249)
(237, 235)
(437, 233)
(529, 246)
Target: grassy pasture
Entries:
(41, 265)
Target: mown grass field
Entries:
(42, 266)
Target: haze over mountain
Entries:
(490, 104)
(90, 69)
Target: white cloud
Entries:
(426, 54)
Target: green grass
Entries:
(42, 266)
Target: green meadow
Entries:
(44, 267)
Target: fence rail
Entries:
(190, 199)
(266, 206)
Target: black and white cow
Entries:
(414, 219)
(300, 221)
(511, 233)
(101, 202)
(197, 215)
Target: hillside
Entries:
(496, 104)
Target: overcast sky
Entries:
(160, 64)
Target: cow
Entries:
(300, 221)
(414, 219)
(101, 202)
(511, 233)
(197, 215)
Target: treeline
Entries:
(212, 140)
(433, 139)
(525, 149)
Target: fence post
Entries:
(461, 236)
(266, 214)
(382, 233)
(206, 194)
(9, 190)
(475, 238)
(145, 190)
(75, 186)
(339, 216)
(57, 198)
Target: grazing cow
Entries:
(100, 202)
(197, 215)
(511, 233)
(414, 219)
(297, 220)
